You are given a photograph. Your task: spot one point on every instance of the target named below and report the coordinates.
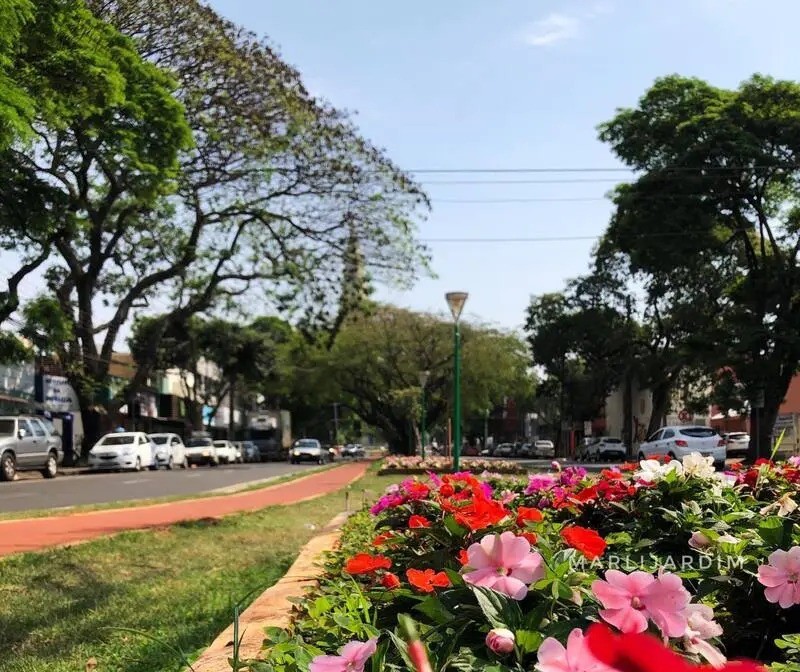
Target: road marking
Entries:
(135, 480)
(16, 495)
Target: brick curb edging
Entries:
(272, 608)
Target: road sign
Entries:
(685, 415)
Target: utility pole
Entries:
(486, 430)
(336, 423)
(628, 395)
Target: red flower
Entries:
(586, 495)
(390, 581)
(629, 466)
(364, 563)
(426, 580)
(463, 556)
(527, 513)
(639, 652)
(736, 466)
(384, 539)
(480, 513)
(586, 541)
(447, 490)
(416, 490)
(416, 522)
(610, 475)
(763, 460)
(530, 536)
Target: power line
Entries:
(617, 169)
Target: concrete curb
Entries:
(273, 607)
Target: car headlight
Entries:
(297, 453)
(206, 453)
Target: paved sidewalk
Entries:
(33, 534)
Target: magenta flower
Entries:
(387, 502)
(434, 478)
(781, 577)
(504, 563)
(575, 657)
(572, 476)
(540, 482)
(631, 599)
(352, 658)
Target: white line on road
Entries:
(135, 480)
(17, 495)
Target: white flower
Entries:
(694, 464)
(785, 505)
(652, 470)
(727, 539)
(699, 541)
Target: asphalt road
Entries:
(65, 491)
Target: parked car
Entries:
(28, 443)
(737, 444)
(122, 451)
(584, 450)
(170, 451)
(525, 450)
(544, 448)
(677, 442)
(201, 450)
(226, 451)
(607, 448)
(353, 450)
(308, 450)
(504, 450)
(249, 451)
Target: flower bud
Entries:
(699, 541)
(390, 581)
(500, 641)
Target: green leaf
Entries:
(528, 641)
(433, 608)
(501, 611)
(771, 530)
(453, 527)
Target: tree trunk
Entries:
(661, 395)
(232, 410)
(627, 404)
(762, 421)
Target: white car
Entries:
(201, 450)
(677, 442)
(606, 448)
(544, 448)
(737, 443)
(226, 451)
(122, 450)
(170, 451)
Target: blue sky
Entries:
(511, 84)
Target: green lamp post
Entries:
(423, 381)
(456, 301)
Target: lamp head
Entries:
(456, 301)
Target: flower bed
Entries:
(650, 568)
(415, 465)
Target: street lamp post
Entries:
(456, 301)
(423, 381)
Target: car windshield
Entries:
(6, 427)
(306, 444)
(699, 432)
(220, 444)
(160, 440)
(118, 440)
(613, 440)
(198, 443)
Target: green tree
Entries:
(715, 205)
(281, 199)
(377, 357)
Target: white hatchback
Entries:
(122, 450)
(677, 442)
(170, 451)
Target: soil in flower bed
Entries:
(563, 569)
(175, 587)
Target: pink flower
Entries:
(500, 641)
(781, 577)
(353, 658)
(699, 541)
(504, 563)
(700, 627)
(540, 482)
(630, 599)
(576, 657)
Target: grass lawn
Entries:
(60, 608)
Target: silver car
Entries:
(28, 443)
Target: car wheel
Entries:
(8, 467)
(51, 466)
(213, 463)
(170, 464)
(642, 457)
(671, 455)
(185, 463)
(138, 465)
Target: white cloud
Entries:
(552, 29)
(559, 27)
